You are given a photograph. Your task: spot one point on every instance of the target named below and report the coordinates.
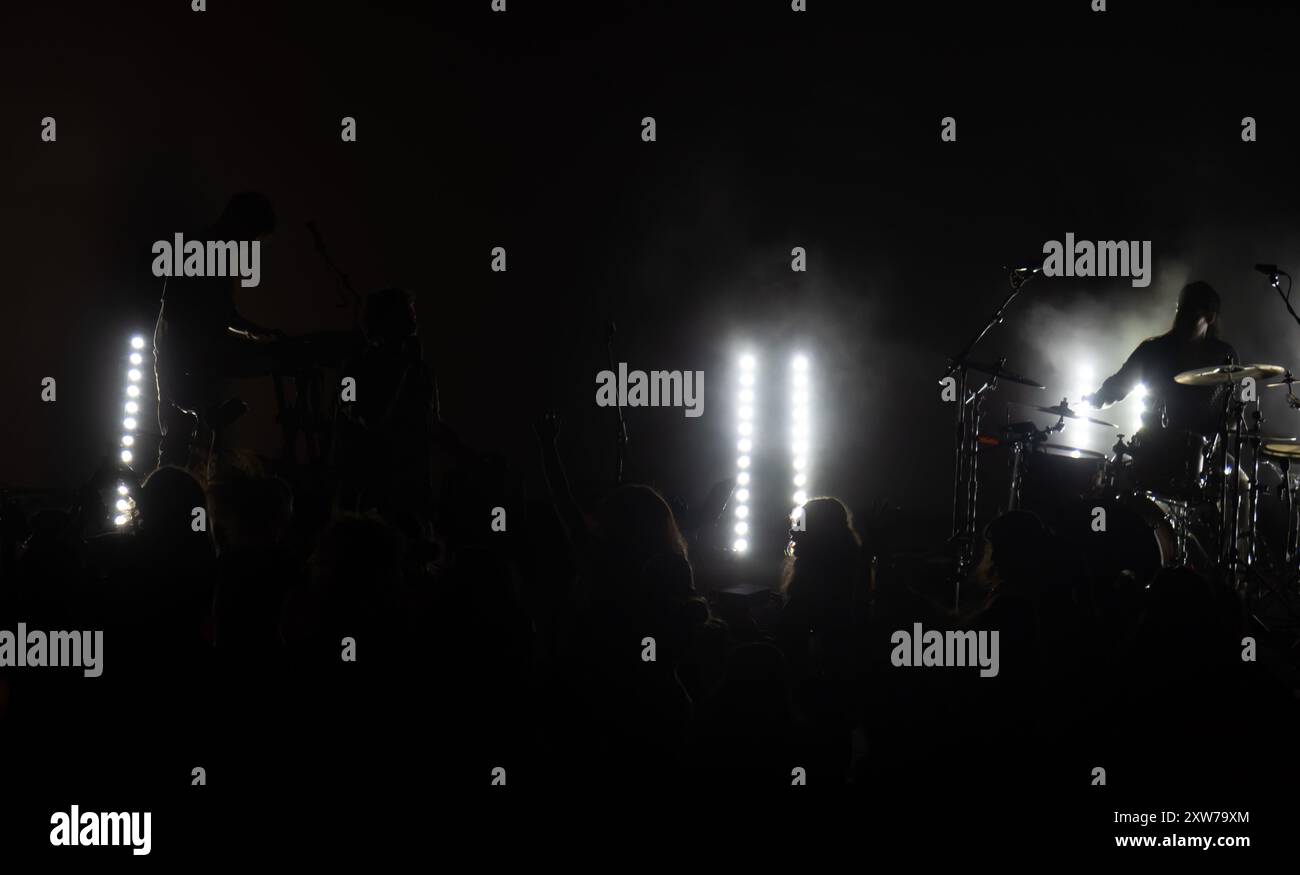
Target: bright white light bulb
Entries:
(741, 545)
(122, 505)
(800, 363)
(800, 479)
(137, 342)
(744, 445)
(748, 362)
(800, 497)
(742, 462)
(800, 463)
(127, 457)
(742, 528)
(742, 512)
(133, 391)
(136, 358)
(743, 478)
(746, 428)
(132, 407)
(121, 489)
(128, 440)
(133, 375)
(119, 520)
(129, 423)
(742, 495)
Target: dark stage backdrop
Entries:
(523, 131)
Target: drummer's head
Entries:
(1198, 311)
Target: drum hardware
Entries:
(1063, 411)
(1288, 381)
(1280, 452)
(1240, 431)
(967, 430)
(1179, 512)
(1252, 536)
(1022, 435)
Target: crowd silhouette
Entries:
(524, 648)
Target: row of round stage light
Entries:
(800, 437)
(134, 377)
(800, 429)
(746, 403)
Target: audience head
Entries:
(1016, 553)
(824, 539)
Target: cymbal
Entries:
(1072, 452)
(1280, 447)
(1065, 411)
(1285, 381)
(1224, 374)
(1003, 374)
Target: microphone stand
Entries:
(1275, 280)
(966, 456)
(341, 279)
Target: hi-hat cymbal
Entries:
(1224, 374)
(1280, 447)
(1003, 374)
(1064, 411)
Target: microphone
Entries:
(1018, 276)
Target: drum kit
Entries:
(1173, 497)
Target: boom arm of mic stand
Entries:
(339, 276)
(1286, 299)
(953, 364)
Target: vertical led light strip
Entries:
(134, 376)
(800, 429)
(746, 407)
